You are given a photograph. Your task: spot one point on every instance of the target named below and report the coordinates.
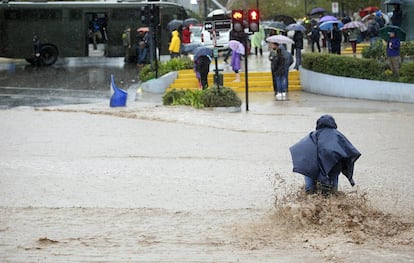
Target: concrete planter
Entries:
(355, 88)
(161, 84)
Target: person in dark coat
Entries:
(298, 38)
(278, 72)
(202, 67)
(393, 53)
(314, 37)
(322, 155)
(336, 39)
(396, 18)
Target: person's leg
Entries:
(395, 65)
(319, 46)
(353, 45)
(227, 55)
(274, 83)
(261, 51)
(298, 57)
(279, 81)
(310, 185)
(94, 40)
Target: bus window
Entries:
(63, 27)
(98, 23)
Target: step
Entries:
(258, 81)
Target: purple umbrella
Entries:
(327, 18)
(317, 10)
(295, 27)
(236, 46)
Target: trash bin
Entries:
(119, 97)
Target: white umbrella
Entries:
(355, 24)
(280, 39)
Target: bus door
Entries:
(97, 37)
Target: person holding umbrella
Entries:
(237, 51)
(393, 53)
(353, 34)
(298, 38)
(396, 18)
(336, 39)
(277, 66)
(202, 60)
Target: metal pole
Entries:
(246, 74)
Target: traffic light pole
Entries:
(246, 75)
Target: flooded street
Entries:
(83, 182)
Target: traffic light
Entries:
(237, 17)
(253, 18)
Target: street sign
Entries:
(335, 7)
(208, 25)
(222, 24)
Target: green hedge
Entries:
(361, 68)
(174, 64)
(211, 97)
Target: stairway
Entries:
(258, 81)
(348, 49)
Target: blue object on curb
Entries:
(119, 98)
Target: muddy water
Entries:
(149, 183)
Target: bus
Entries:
(62, 29)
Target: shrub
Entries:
(331, 64)
(407, 49)
(407, 72)
(175, 64)
(376, 51)
(212, 97)
(220, 97)
(172, 96)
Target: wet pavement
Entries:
(148, 183)
(79, 80)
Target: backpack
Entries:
(315, 33)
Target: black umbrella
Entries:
(276, 26)
(317, 10)
(287, 20)
(174, 24)
(190, 21)
(393, 2)
(202, 51)
(399, 32)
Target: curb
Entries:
(330, 85)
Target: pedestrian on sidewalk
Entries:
(336, 39)
(298, 38)
(315, 36)
(393, 53)
(353, 35)
(257, 40)
(277, 65)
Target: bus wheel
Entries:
(48, 54)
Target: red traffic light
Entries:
(253, 17)
(237, 17)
